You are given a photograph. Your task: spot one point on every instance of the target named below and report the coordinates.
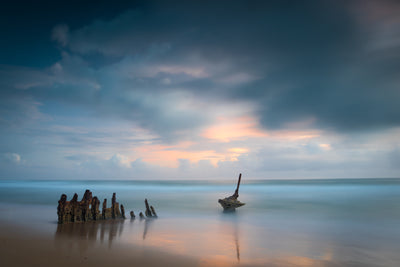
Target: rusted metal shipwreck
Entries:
(232, 202)
(88, 209)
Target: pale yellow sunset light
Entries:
(229, 129)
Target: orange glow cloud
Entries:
(168, 156)
(225, 130)
(239, 150)
(228, 129)
(325, 146)
(295, 135)
(236, 152)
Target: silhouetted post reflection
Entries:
(231, 219)
(147, 223)
(87, 233)
(237, 242)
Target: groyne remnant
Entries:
(149, 213)
(87, 209)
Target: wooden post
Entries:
(148, 211)
(132, 214)
(122, 211)
(153, 211)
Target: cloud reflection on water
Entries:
(226, 239)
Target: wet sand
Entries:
(79, 245)
(30, 236)
(20, 247)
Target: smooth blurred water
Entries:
(350, 220)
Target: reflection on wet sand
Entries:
(237, 243)
(103, 231)
(147, 223)
(210, 242)
(88, 233)
(233, 226)
(224, 242)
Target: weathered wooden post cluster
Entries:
(150, 212)
(88, 209)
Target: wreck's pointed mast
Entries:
(236, 194)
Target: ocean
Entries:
(344, 222)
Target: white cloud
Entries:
(120, 160)
(12, 157)
(237, 78)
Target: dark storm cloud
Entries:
(25, 26)
(307, 59)
(317, 61)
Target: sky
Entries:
(199, 89)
